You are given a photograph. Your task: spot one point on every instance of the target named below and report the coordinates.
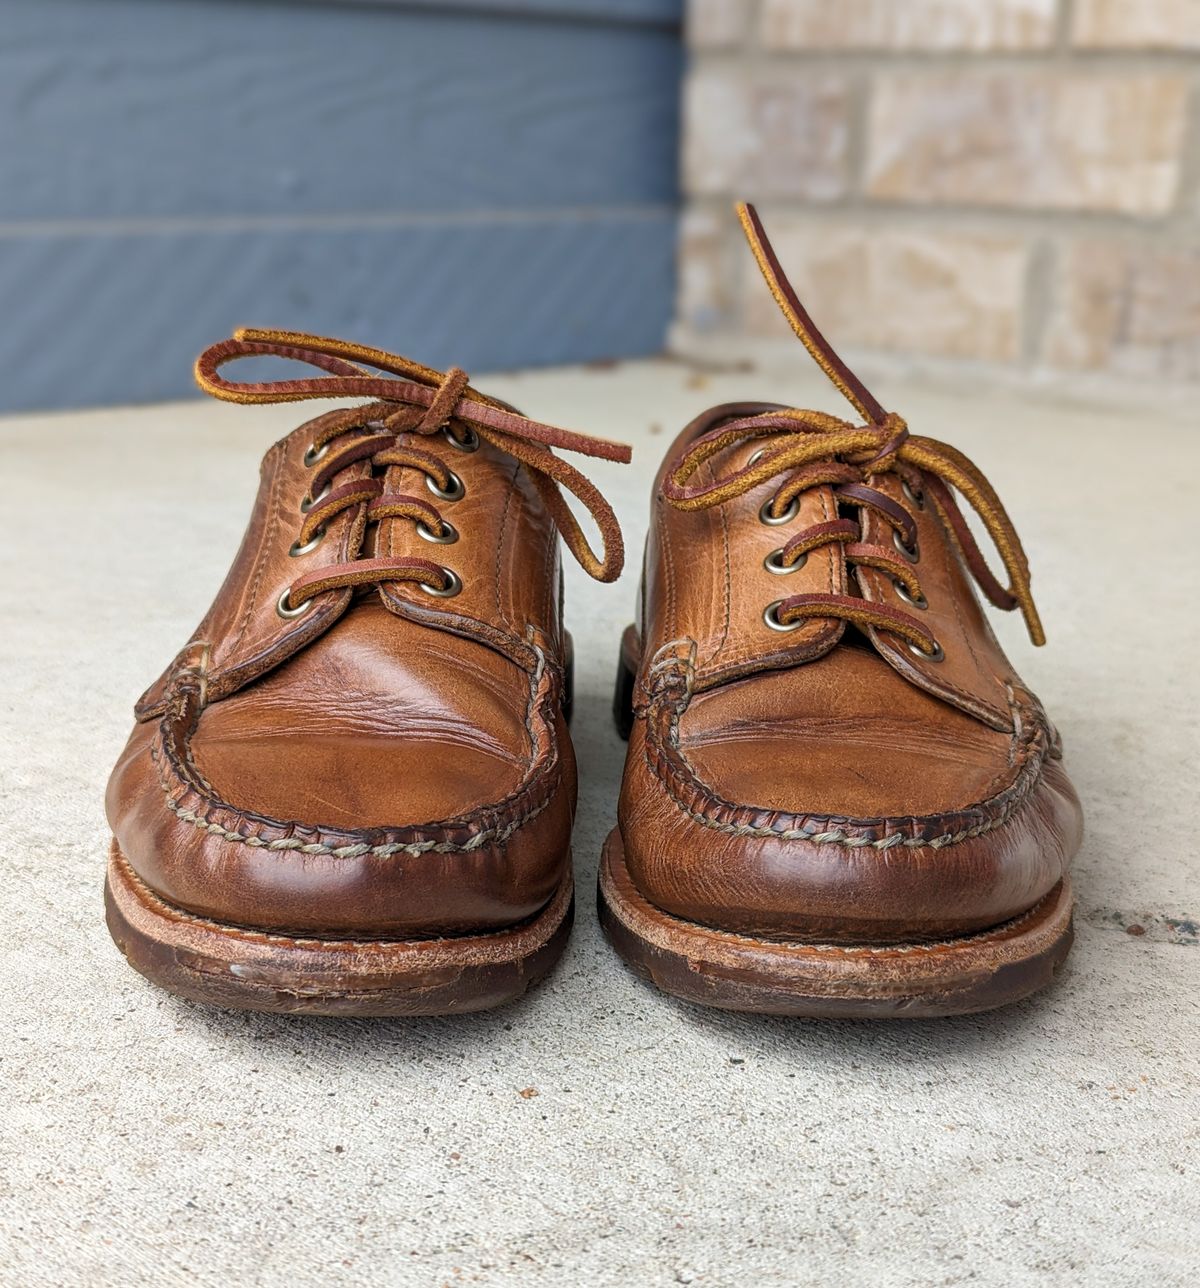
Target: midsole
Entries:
(132, 887)
(1023, 936)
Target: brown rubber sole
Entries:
(741, 973)
(234, 966)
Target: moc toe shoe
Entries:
(352, 791)
(839, 798)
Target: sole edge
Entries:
(730, 971)
(235, 967)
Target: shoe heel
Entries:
(626, 678)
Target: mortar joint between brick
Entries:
(1187, 195)
(858, 110)
(1038, 301)
(1064, 24)
(1071, 61)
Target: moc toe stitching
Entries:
(669, 765)
(786, 874)
(190, 796)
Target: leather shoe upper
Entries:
(366, 733)
(829, 743)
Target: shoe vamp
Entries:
(844, 736)
(381, 722)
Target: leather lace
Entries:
(806, 449)
(411, 402)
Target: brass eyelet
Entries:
(911, 553)
(773, 563)
(917, 601)
(448, 537)
(285, 608)
(915, 498)
(765, 515)
(917, 651)
(311, 544)
(313, 453)
(453, 585)
(456, 491)
(754, 457)
(470, 443)
(771, 617)
(309, 501)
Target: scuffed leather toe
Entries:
(703, 842)
(488, 866)
(364, 738)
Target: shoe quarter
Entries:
(706, 579)
(506, 556)
(973, 673)
(244, 634)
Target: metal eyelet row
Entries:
(917, 651)
(448, 535)
(456, 491)
(470, 443)
(314, 541)
(452, 587)
(917, 601)
(911, 553)
(285, 608)
(774, 563)
(773, 521)
(309, 501)
(771, 618)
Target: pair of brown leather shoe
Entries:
(352, 791)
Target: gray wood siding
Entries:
(462, 183)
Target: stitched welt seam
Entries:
(167, 910)
(942, 947)
(835, 836)
(496, 836)
(412, 848)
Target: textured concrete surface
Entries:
(598, 1133)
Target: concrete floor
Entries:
(598, 1133)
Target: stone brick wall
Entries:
(1013, 182)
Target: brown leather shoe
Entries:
(352, 791)
(839, 797)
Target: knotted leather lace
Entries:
(410, 402)
(806, 449)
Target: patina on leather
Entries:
(365, 736)
(829, 744)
